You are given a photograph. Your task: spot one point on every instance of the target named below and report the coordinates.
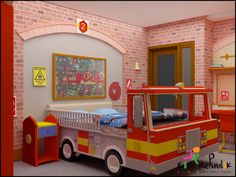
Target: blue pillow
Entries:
(119, 123)
(106, 111)
(106, 119)
(157, 115)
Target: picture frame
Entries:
(78, 77)
(229, 88)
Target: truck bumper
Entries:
(167, 165)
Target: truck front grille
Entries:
(193, 139)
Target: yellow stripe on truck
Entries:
(163, 148)
(160, 148)
(152, 148)
(212, 134)
(137, 146)
(82, 141)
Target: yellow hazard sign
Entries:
(39, 76)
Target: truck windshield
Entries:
(175, 108)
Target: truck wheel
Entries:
(113, 163)
(67, 151)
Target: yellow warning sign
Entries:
(39, 76)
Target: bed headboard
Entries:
(91, 106)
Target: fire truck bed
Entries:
(122, 132)
(114, 131)
(180, 122)
(169, 123)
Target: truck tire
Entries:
(113, 163)
(67, 151)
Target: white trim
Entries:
(209, 106)
(70, 107)
(54, 28)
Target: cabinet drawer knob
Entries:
(28, 139)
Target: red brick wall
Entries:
(30, 13)
(134, 39)
(18, 90)
(195, 29)
(223, 28)
(198, 30)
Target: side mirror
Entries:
(138, 111)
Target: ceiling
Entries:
(149, 13)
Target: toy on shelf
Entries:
(32, 132)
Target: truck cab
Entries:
(156, 147)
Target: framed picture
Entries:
(78, 77)
(225, 89)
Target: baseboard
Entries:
(17, 154)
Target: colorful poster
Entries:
(78, 77)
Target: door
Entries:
(168, 65)
(165, 67)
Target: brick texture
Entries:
(195, 29)
(35, 13)
(221, 29)
(135, 39)
(198, 30)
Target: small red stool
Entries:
(227, 125)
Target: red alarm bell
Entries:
(115, 91)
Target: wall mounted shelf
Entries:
(221, 68)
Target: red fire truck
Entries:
(143, 145)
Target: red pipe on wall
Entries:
(6, 89)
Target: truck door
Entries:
(136, 144)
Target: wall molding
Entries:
(39, 30)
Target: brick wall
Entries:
(134, 39)
(195, 29)
(18, 90)
(34, 13)
(198, 30)
(221, 29)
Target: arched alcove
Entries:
(224, 75)
(39, 44)
(45, 29)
